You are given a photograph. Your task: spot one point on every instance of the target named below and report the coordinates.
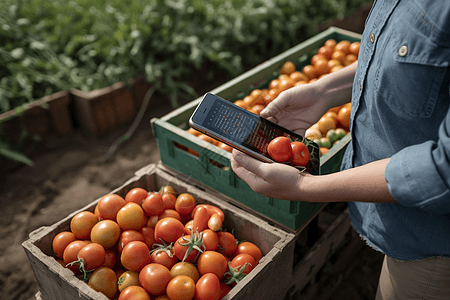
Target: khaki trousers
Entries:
(411, 280)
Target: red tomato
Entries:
(181, 287)
(170, 213)
(163, 258)
(153, 204)
(105, 233)
(136, 195)
(82, 223)
(185, 268)
(182, 246)
(149, 236)
(249, 248)
(91, 256)
(110, 259)
(61, 241)
(211, 210)
(154, 278)
(109, 205)
(185, 204)
(212, 262)
(210, 240)
(208, 287)
(152, 220)
(134, 292)
(300, 154)
(129, 236)
(104, 280)
(280, 149)
(200, 220)
(131, 216)
(168, 229)
(240, 260)
(135, 255)
(169, 200)
(227, 243)
(71, 254)
(188, 226)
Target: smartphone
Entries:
(245, 131)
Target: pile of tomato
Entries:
(282, 149)
(161, 245)
(330, 57)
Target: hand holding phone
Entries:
(247, 132)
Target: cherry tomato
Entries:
(280, 149)
(212, 262)
(109, 205)
(110, 259)
(300, 154)
(185, 268)
(181, 246)
(60, 242)
(188, 226)
(149, 236)
(129, 236)
(240, 260)
(152, 220)
(104, 280)
(170, 213)
(128, 278)
(163, 258)
(207, 287)
(249, 248)
(181, 287)
(227, 243)
(169, 200)
(215, 222)
(153, 204)
(185, 204)
(154, 278)
(135, 255)
(91, 256)
(200, 220)
(211, 210)
(134, 292)
(168, 229)
(82, 223)
(105, 233)
(224, 289)
(71, 254)
(167, 189)
(210, 240)
(136, 195)
(131, 216)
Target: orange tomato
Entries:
(354, 48)
(333, 63)
(336, 68)
(326, 123)
(257, 108)
(317, 57)
(322, 67)
(340, 56)
(240, 103)
(323, 150)
(349, 59)
(326, 51)
(258, 97)
(286, 84)
(342, 46)
(343, 115)
(300, 82)
(330, 43)
(309, 71)
(298, 76)
(274, 84)
(287, 68)
(181, 287)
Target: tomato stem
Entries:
(194, 242)
(236, 274)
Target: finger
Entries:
(249, 163)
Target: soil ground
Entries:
(72, 174)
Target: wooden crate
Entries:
(57, 282)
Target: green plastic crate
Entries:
(212, 166)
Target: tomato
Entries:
(129, 236)
(240, 260)
(104, 280)
(211, 210)
(210, 240)
(181, 287)
(136, 195)
(82, 223)
(167, 189)
(131, 216)
(224, 289)
(109, 205)
(169, 200)
(152, 220)
(128, 278)
(134, 292)
(71, 254)
(90, 257)
(200, 220)
(249, 248)
(185, 268)
(280, 149)
(153, 204)
(105, 233)
(110, 259)
(184, 248)
(215, 222)
(60, 242)
(185, 204)
(188, 226)
(227, 243)
(149, 236)
(207, 287)
(212, 262)
(170, 213)
(300, 154)
(154, 278)
(135, 255)
(163, 258)
(168, 229)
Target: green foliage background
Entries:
(52, 45)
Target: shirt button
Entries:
(403, 51)
(372, 37)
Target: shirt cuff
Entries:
(414, 181)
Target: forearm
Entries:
(336, 88)
(361, 184)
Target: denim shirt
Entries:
(400, 109)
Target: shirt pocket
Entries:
(411, 69)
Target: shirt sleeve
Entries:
(419, 175)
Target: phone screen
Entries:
(234, 124)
